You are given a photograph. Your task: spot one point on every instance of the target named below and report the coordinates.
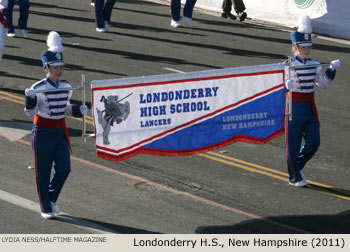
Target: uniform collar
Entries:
(54, 84)
(303, 61)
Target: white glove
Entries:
(30, 92)
(83, 110)
(335, 64)
(289, 84)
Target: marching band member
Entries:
(175, 9)
(24, 6)
(50, 138)
(103, 13)
(301, 82)
(3, 24)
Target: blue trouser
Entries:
(23, 14)
(175, 7)
(103, 12)
(50, 148)
(304, 125)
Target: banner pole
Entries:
(310, 66)
(84, 102)
(57, 90)
(290, 93)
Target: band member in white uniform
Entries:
(50, 140)
(301, 83)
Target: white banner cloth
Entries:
(187, 113)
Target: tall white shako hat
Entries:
(303, 35)
(54, 55)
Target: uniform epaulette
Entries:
(287, 61)
(39, 84)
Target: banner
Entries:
(187, 113)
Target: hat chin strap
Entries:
(297, 50)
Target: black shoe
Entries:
(228, 15)
(242, 16)
(224, 15)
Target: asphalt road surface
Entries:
(241, 188)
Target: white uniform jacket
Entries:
(307, 77)
(53, 105)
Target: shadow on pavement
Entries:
(98, 226)
(316, 224)
(330, 190)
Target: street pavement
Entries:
(241, 188)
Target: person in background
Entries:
(103, 13)
(92, 3)
(301, 83)
(238, 6)
(3, 26)
(175, 9)
(22, 20)
(50, 140)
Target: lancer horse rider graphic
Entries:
(114, 111)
